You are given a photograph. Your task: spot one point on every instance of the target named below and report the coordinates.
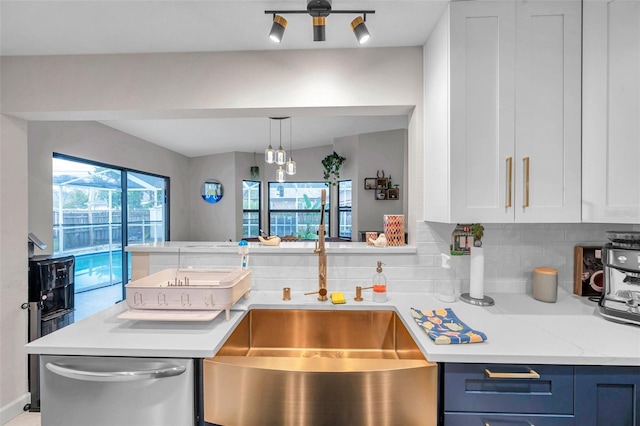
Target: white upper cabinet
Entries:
(611, 112)
(502, 113)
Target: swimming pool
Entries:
(99, 269)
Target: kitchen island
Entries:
(520, 330)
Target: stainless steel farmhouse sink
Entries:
(320, 367)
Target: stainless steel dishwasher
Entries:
(109, 391)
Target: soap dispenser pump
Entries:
(379, 285)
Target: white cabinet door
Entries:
(611, 112)
(481, 109)
(547, 112)
(513, 101)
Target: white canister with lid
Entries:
(545, 284)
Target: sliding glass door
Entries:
(97, 211)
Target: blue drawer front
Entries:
(464, 419)
(467, 388)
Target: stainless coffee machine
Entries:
(621, 286)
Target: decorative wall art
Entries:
(211, 191)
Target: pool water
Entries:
(100, 269)
(98, 282)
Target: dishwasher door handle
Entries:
(115, 376)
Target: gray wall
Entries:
(97, 142)
(212, 222)
(366, 155)
(13, 265)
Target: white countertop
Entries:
(519, 330)
(298, 247)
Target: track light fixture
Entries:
(277, 29)
(360, 30)
(319, 10)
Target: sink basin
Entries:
(320, 367)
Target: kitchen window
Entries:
(251, 208)
(344, 209)
(294, 209)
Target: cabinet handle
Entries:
(487, 423)
(531, 374)
(509, 180)
(78, 373)
(525, 160)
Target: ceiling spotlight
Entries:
(360, 30)
(277, 29)
(318, 28)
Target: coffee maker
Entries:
(620, 300)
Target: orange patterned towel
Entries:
(444, 328)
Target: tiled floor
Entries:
(25, 419)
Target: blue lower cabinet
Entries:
(607, 396)
(475, 419)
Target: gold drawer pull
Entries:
(530, 424)
(531, 374)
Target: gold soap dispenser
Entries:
(379, 285)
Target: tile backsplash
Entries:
(511, 253)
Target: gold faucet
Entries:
(321, 251)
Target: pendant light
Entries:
(280, 175)
(291, 165)
(281, 155)
(255, 170)
(269, 154)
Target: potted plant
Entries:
(332, 164)
(477, 230)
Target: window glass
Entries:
(344, 209)
(294, 209)
(250, 209)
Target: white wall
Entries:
(13, 266)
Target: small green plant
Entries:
(477, 230)
(332, 164)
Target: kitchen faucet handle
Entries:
(321, 292)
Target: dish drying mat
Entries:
(444, 327)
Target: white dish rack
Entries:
(181, 293)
